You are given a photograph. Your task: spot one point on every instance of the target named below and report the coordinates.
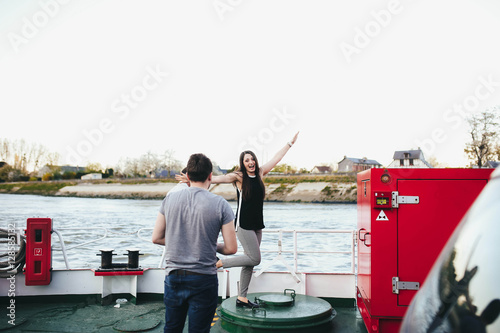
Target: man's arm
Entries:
(159, 230)
(222, 179)
(230, 245)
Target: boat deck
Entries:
(147, 316)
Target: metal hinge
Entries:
(403, 285)
(403, 199)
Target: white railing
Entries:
(350, 238)
(63, 248)
(351, 234)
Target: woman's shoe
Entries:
(247, 304)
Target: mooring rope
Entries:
(12, 261)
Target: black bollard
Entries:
(133, 258)
(106, 258)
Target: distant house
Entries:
(409, 159)
(217, 170)
(92, 176)
(164, 173)
(64, 168)
(161, 174)
(69, 168)
(45, 169)
(322, 169)
(352, 164)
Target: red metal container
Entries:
(405, 217)
(38, 251)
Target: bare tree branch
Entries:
(483, 132)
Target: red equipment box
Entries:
(405, 217)
(38, 251)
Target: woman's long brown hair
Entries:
(245, 184)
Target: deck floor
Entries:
(84, 317)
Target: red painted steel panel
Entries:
(394, 242)
(424, 229)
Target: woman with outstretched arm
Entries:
(249, 215)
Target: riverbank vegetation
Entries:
(52, 187)
(34, 187)
(311, 178)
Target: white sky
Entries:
(239, 70)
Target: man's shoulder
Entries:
(177, 188)
(215, 199)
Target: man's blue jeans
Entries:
(191, 295)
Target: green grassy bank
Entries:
(51, 187)
(278, 186)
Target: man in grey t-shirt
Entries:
(188, 224)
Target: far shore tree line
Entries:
(23, 161)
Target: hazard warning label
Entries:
(382, 216)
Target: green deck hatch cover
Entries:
(278, 311)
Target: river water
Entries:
(127, 223)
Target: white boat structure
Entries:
(97, 287)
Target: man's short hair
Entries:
(199, 168)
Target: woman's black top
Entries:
(251, 215)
